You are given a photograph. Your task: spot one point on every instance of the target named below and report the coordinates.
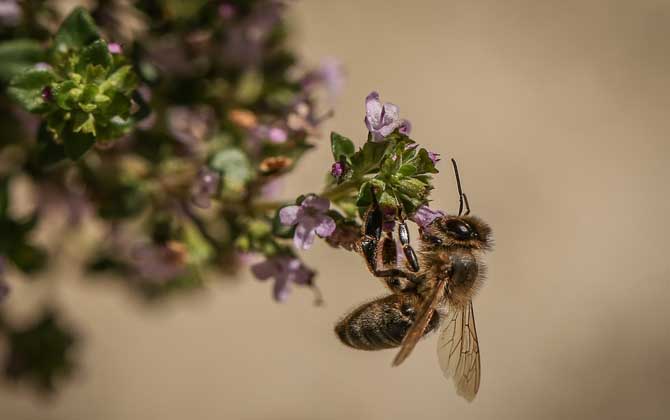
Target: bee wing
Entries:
(419, 326)
(458, 351)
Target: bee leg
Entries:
(372, 246)
(410, 255)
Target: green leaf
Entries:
(48, 152)
(407, 170)
(122, 80)
(235, 166)
(387, 200)
(77, 143)
(368, 158)
(95, 54)
(26, 88)
(424, 163)
(412, 188)
(63, 96)
(341, 146)
(17, 55)
(76, 31)
(364, 198)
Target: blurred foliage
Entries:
(167, 123)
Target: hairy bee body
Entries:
(436, 286)
(381, 323)
(462, 267)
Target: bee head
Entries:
(458, 231)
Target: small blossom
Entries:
(330, 75)
(275, 134)
(114, 48)
(311, 218)
(285, 270)
(160, 262)
(47, 94)
(435, 157)
(226, 11)
(383, 119)
(205, 187)
(10, 12)
(42, 66)
(425, 216)
(338, 169)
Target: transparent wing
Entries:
(458, 351)
(419, 327)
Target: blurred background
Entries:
(557, 112)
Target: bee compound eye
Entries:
(459, 229)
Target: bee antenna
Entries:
(467, 205)
(460, 190)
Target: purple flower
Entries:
(311, 218)
(205, 187)
(47, 94)
(160, 262)
(273, 133)
(10, 12)
(383, 119)
(435, 157)
(330, 75)
(425, 216)
(226, 11)
(286, 270)
(338, 169)
(114, 48)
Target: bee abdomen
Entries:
(364, 335)
(380, 324)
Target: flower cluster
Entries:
(171, 125)
(389, 165)
(168, 124)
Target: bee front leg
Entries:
(372, 245)
(410, 255)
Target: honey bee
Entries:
(436, 288)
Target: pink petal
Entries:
(373, 109)
(318, 203)
(289, 215)
(304, 237)
(264, 270)
(405, 127)
(391, 114)
(326, 227)
(281, 289)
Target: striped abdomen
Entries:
(382, 323)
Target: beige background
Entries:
(558, 114)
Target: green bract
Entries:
(397, 170)
(85, 95)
